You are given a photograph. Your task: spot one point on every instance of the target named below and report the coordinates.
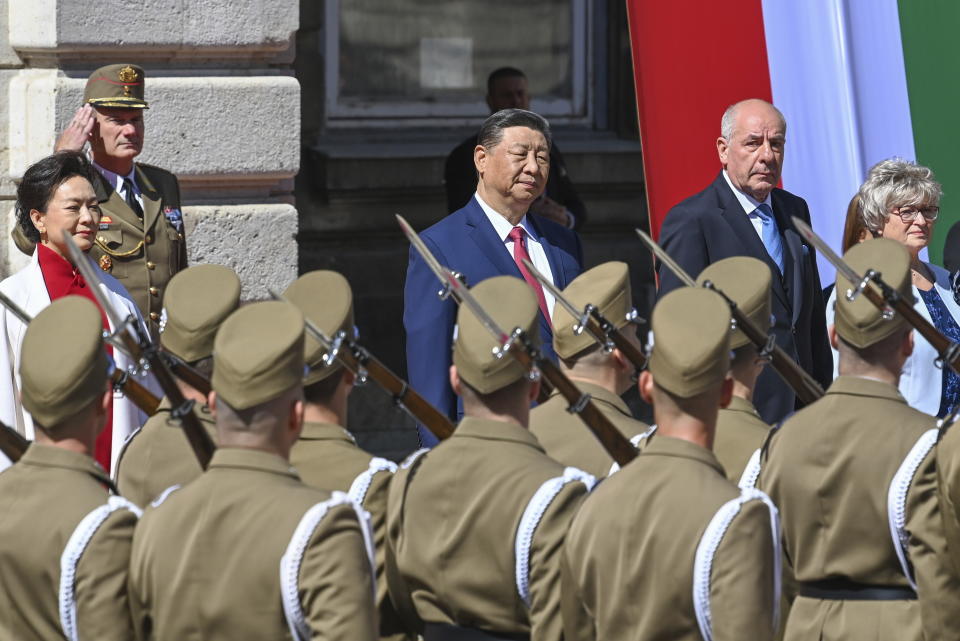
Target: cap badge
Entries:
(127, 75)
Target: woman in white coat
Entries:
(55, 199)
(900, 200)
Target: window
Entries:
(425, 62)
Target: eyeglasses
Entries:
(909, 213)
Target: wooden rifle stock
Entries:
(600, 326)
(137, 393)
(188, 375)
(12, 444)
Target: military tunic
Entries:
(158, 456)
(43, 499)
(463, 546)
(327, 457)
(740, 433)
(829, 468)
(629, 558)
(567, 439)
(206, 561)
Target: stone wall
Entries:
(224, 116)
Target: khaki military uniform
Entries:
(829, 468)
(629, 563)
(465, 545)
(740, 433)
(158, 456)
(327, 457)
(44, 498)
(209, 560)
(567, 440)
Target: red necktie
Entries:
(519, 253)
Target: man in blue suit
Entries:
(486, 238)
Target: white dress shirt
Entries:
(116, 181)
(537, 254)
(749, 205)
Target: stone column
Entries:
(224, 113)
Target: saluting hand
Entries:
(77, 133)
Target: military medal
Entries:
(106, 263)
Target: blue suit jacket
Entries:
(466, 242)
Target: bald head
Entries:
(752, 137)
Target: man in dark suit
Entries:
(742, 213)
(507, 89)
(486, 238)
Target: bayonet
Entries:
(804, 386)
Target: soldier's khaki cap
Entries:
(63, 365)
(195, 303)
(119, 86)
(258, 354)
(747, 282)
(510, 303)
(325, 298)
(691, 341)
(606, 287)
(860, 323)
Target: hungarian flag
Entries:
(857, 80)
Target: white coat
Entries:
(921, 382)
(28, 289)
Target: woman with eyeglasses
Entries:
(900, 200)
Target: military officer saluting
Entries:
(247, 551)
(851, 474)
(141, 236)
(667, 548)
(65, 535)
(601, 374)
(740, 430)
(326, 455)
(476, 524)
(158, 455)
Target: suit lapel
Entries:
(151, 199)
(793, 255)
(114, 206)
(490, 244)
(554, 256)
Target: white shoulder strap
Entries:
(70, 559)
(751, 472)
(636, 440)
(292, 559)
(361, 484)
(163, 496)
(897, 499)
(410, 460)
(707, 549)
(534, 511)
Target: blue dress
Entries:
(944, 322)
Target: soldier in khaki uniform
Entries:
(326, 454)
(141, 236)
(247, 551)
(852, 475)
(158, 455)
(740, 430)
(64, 535)
(667, 548)
(475, 525)
(601, 374)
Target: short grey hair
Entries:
(491, 131)
(729, 118)
(894, 183)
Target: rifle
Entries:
(602, 330)
(518, 345)
(887, 299)
(140, 395)
(12, 443)
(187, 374)
(804, 386)
(137, 343)
(361, 362)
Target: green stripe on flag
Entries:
(931, 53)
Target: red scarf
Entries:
(63, 279)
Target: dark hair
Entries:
(321, 392)
(853, 227)
(491, 132)
(42, 179)
(502, 72)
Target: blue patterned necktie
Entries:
(770, 234)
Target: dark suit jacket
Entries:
(711, 226)
(460, 180)
(467, 243)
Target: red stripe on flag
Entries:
(690, 62)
